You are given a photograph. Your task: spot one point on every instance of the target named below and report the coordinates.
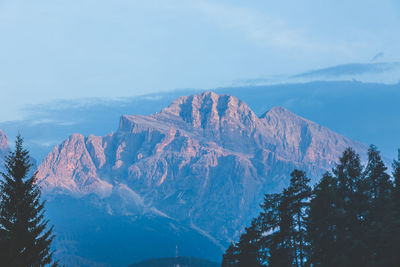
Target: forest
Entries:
(351, 217)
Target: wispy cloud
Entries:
(351, 69)
(382, 72)
(51, 121)
(377, 56)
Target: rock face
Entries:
(206, 160)
(3, 148)
(3, 141)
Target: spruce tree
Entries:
(269, 221)
(351, 248)
(24, 234)
(394, 225)
(299, 192)
(322, 223)
(396, 175)
(377, 209)
(281, 245)
(229, 259)
(378, 181)
(248, 248)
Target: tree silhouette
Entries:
(25, 239)
(300, 192)
(350, 218)
(377, 209)
(322, 222)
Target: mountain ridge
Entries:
(177, 158)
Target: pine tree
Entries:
(378, 181)
(247, 252)
(322, 223)
(25, 238)
(396, 175)
(229, 259)
(351, 248)
(269, 220)
(299, 192)
(394, 224)
(248, 247)
(377, 209)
(281, 245)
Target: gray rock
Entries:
(206, 160)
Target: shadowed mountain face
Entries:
(206, 160)
(89, 234)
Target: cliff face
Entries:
(3, 141)
(3, 148)
(206, 160)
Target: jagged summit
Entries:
(207, 111)
(3, 149)
(208, 108)
(3, 141)
(278, 110)
(205, 156)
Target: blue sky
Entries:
(63, 49)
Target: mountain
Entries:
(3, 148)
(89, 234)
(3, 141)
(172, 262)
(367, 112)
(205, 161)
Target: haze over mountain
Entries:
(367, 112)
(205, 161)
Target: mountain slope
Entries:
(3, 148)
(89, 234)
(206, 161)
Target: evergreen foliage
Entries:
(394, 224)
(25, 239)
(379, 189)
(322, 222)
(230, 256)
(350, 218)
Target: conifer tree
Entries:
(248, 248)
(396, 175)
(269, 220)
(24, 235)
(352, 249)
(229, 259)
(322, 223)
(392, 253)
(281, 246)
(378, 181)
(299, 193)
(353, 219)
(377, 209)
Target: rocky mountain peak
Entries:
(72, 167)
(283, 114)
(205, 156)
(208, 109)
(3, 141)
